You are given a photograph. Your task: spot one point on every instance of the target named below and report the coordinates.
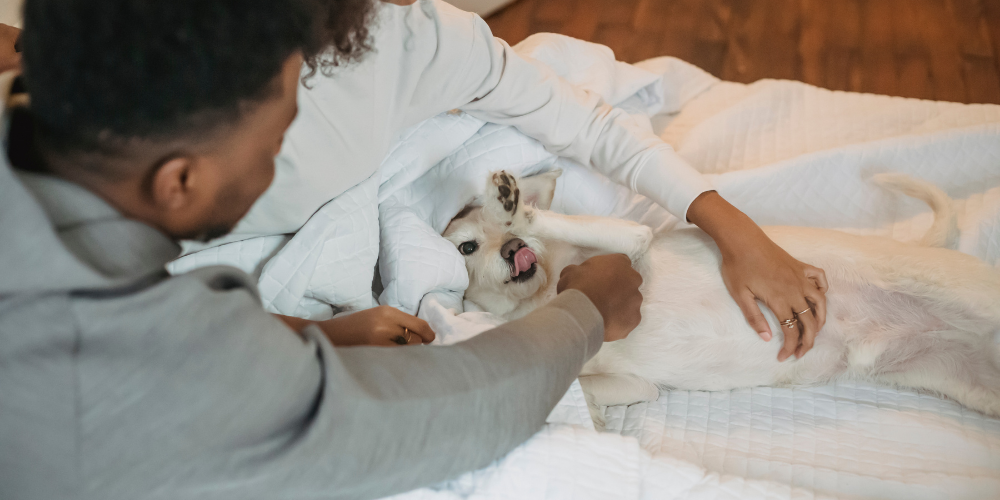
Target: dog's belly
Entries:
(694, 336)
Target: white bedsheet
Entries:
(784, 152)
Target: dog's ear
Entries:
(538, 190)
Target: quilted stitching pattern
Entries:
(845, 438)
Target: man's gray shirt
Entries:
(118, 381)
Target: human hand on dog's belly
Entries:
(381, 326)
(610, 282)
(755, 268)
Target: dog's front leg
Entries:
(600, 233)
(503, 205)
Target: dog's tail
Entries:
(944, 230)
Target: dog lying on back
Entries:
(898, 314)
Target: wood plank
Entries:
(513, 23)
(618, 37)
(940, 36)
(649, 16)
(584, 19)
(983, 82)
(991, 15)
(813, 42)
(769, 37)
(970, 27)
(679, 29)
(554, 11)
(937, 49)
(878, 64)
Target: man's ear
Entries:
(538, 190)
(172, 183)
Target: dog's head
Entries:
(506, 262)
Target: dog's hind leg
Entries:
(613, 389)
(960, 365)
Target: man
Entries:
(156, 121)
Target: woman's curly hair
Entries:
(342, 34)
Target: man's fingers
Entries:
(809, 327)
(567, 269)
(751, 311)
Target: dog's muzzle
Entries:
(520, 258)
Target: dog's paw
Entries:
(502, 199)
(640, 238)
(506, 191)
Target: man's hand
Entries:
(754, 268)
(382, 325)
(9, 58)
(613, 286)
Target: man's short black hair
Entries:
(101, 72)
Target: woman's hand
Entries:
(382, 325)
(754, 268)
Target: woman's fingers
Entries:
(816, 293)
(786, 317)
(817, 301)
(419, 331)
(751, 311)
(422, 333)
(809, 328)
(818, 277)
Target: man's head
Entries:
(174, 110)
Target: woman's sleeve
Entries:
(489, 80)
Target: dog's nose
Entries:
(508, 249)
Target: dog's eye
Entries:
(468, 247)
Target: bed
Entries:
(785, 153)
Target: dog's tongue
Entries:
(523, 260)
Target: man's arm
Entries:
(413, 416)
(227, 400)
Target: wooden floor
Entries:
(932, 49)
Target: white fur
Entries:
(898, 314)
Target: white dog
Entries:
(898, 314)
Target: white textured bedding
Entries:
(784, 152)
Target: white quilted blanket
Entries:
(785, 153)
